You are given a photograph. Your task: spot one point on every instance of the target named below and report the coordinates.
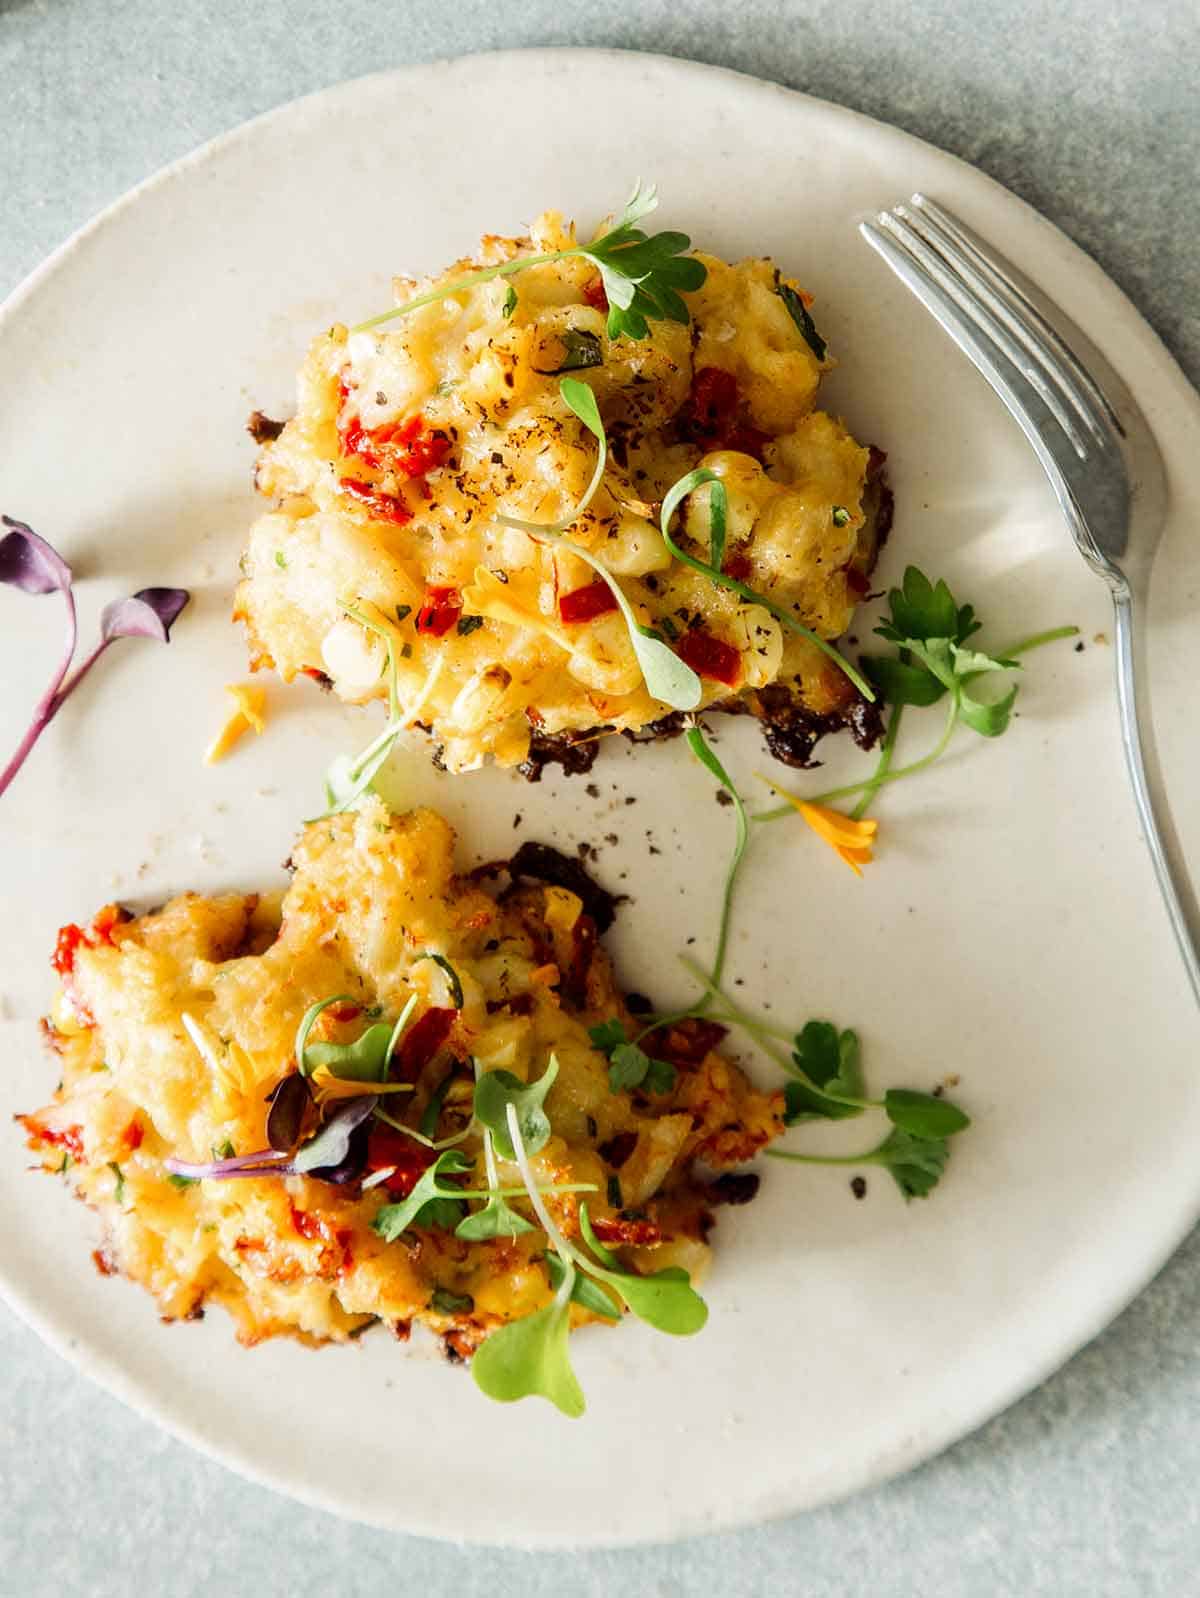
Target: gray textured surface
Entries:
(1089, 110)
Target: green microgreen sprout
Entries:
(498, 1091)
(704, 754)
(643, 276)
(348, 778)
(718, 500)
(667, 678)
(932, 663)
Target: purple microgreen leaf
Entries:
(29, 563)
(263, 1162)
(289, 1102)
(150, 613)
(331, 1155)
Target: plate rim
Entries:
(112, 1376)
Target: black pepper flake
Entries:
(517, 819)
(1079, 647)
(592, 791)
(858, 1186)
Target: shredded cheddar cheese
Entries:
(248, 714)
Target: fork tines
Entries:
(971, 292)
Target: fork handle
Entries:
(1141, 757)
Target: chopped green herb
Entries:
(281, 560)
(120, 1176)
(581, 349)
(64, 1165)
(798, 312)
(456, 991)
(510, 302)
(841, 516)
(181, 1181)
(468, 624)
(447, 1303)
(614, 1193)
(403, 612)
(223, 1151)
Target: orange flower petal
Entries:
(851, 840)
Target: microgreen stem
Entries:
(867, 1158)
(887, 749)
(419, 1137)
(49, 704)
(561, 1247)
(699, 747)
(722, 579)
(1036, 642)
(872, 784)
(470, 281)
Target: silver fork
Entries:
(1097, 450)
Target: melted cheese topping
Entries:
(177, 1026)
(411, 439)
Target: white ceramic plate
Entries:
(1009, 931)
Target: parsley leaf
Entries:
(510, 302)
(119, 1190)
(922, 610)
(915, 1164)
(628, 1065)
(467, 625)
(922, 1115)
(829, 1061)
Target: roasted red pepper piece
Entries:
(440, 612)
(710, 657)
(638, 1234)
(584, 604)
(66, 947)
(386, 506)
(422, 1041)
(594, 295)
(387, 1147)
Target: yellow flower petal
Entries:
(851, 840)
(328, 1087)
(250, 703)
